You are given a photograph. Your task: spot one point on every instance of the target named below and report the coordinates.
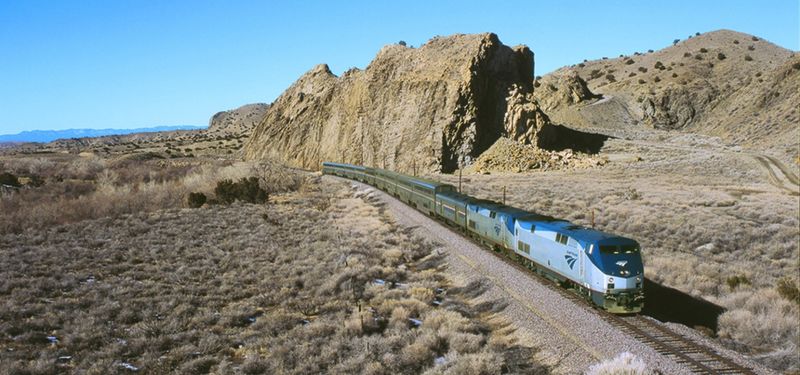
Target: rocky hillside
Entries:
(237, 121)
(432, 107)
(723, 83)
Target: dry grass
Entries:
(701, 218)
(78, 188)
(318, 281)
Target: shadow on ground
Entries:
(559, 137)
(671, 305)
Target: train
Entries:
(603, 268)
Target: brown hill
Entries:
(433, 107)
(738, 87)
(237, 121)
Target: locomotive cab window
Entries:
(562, 239)
(609, 249)
(629, 249)
(492, 214)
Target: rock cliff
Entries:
(432, 108)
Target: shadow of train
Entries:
(671, 305)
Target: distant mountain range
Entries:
(44, 136)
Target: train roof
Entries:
(343, 165)
(431, 184)
(580, 232)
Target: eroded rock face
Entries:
(433, 108)
(523, 119)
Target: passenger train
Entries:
(604, 268)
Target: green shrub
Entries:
(246, 190)
(196, 200)
(610, 77)
(721, 56)
(789, 289)
(9, 179)
(703, 50)
(736, 280)
(748, 58)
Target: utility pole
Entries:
(592, 218)
(459, 179)
(414, 166)
(504, 194)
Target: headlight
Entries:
(638, 279)
(610, 279)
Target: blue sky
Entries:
(128, 63)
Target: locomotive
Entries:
(603, 268)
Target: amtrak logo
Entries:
(570, 260)
(622, 263)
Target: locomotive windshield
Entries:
(614, 249)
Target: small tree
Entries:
(9, 179)
(721, 56)
(196, 200)
(246, 190)
(674, 42)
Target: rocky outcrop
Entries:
(434, 107)
(238, 121)
(523, 119)
(508, 155)
(562, 89)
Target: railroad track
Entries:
(698, 357)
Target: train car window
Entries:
(472, 224)
(516, 231)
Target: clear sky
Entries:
(138, 63)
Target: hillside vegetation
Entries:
(735, 86)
